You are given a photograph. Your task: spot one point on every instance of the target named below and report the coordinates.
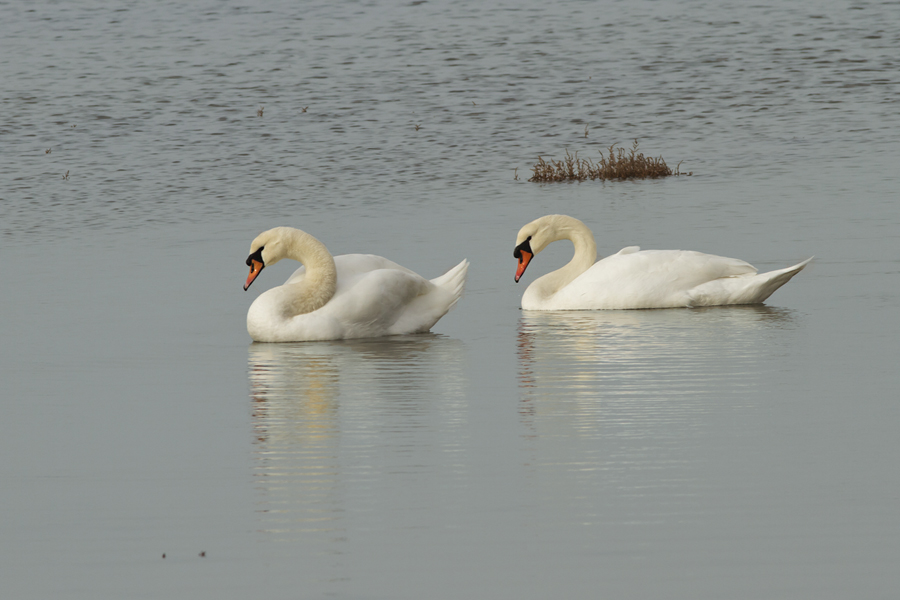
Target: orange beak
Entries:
(524, 258)
(256, 268)
(524, 253)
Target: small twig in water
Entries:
(678, 170)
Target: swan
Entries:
(633, 278)
(342, 297)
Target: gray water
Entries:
(743, 452)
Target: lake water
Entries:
(743, 452)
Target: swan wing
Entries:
(395, 301)
(647, 279)
(368, 304)
(376, 297)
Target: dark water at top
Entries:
(745, 452)
(153, 109)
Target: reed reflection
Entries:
(633, 372)
(330, 418)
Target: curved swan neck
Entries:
(562, 227)
(320, 281)
(585, 246)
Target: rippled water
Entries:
(153, 109)
(738, 452)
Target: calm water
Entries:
(745, 452)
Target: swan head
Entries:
(267, 249)
(535, 236)
(538, 234)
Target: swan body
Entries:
(635, 278)
(343, 297)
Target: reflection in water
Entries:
(638, 372)
(331, 415)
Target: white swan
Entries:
(342, 297)
(633, 278)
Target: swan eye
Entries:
(526, 246)
(257, 256)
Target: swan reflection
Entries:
(326, 415)
(632, 372)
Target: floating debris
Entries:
(66, 176)
(618, 164)
(260, 110)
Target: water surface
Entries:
(739, 452)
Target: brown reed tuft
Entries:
(618, 164)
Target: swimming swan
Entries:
(633, 278)
(342, 297)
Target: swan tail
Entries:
(776, 279)
(743, 289)
(453, 282)
(426, 310)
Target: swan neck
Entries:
(585, 256)
(320, 282)
(585, 248)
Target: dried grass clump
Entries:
(618, 164)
